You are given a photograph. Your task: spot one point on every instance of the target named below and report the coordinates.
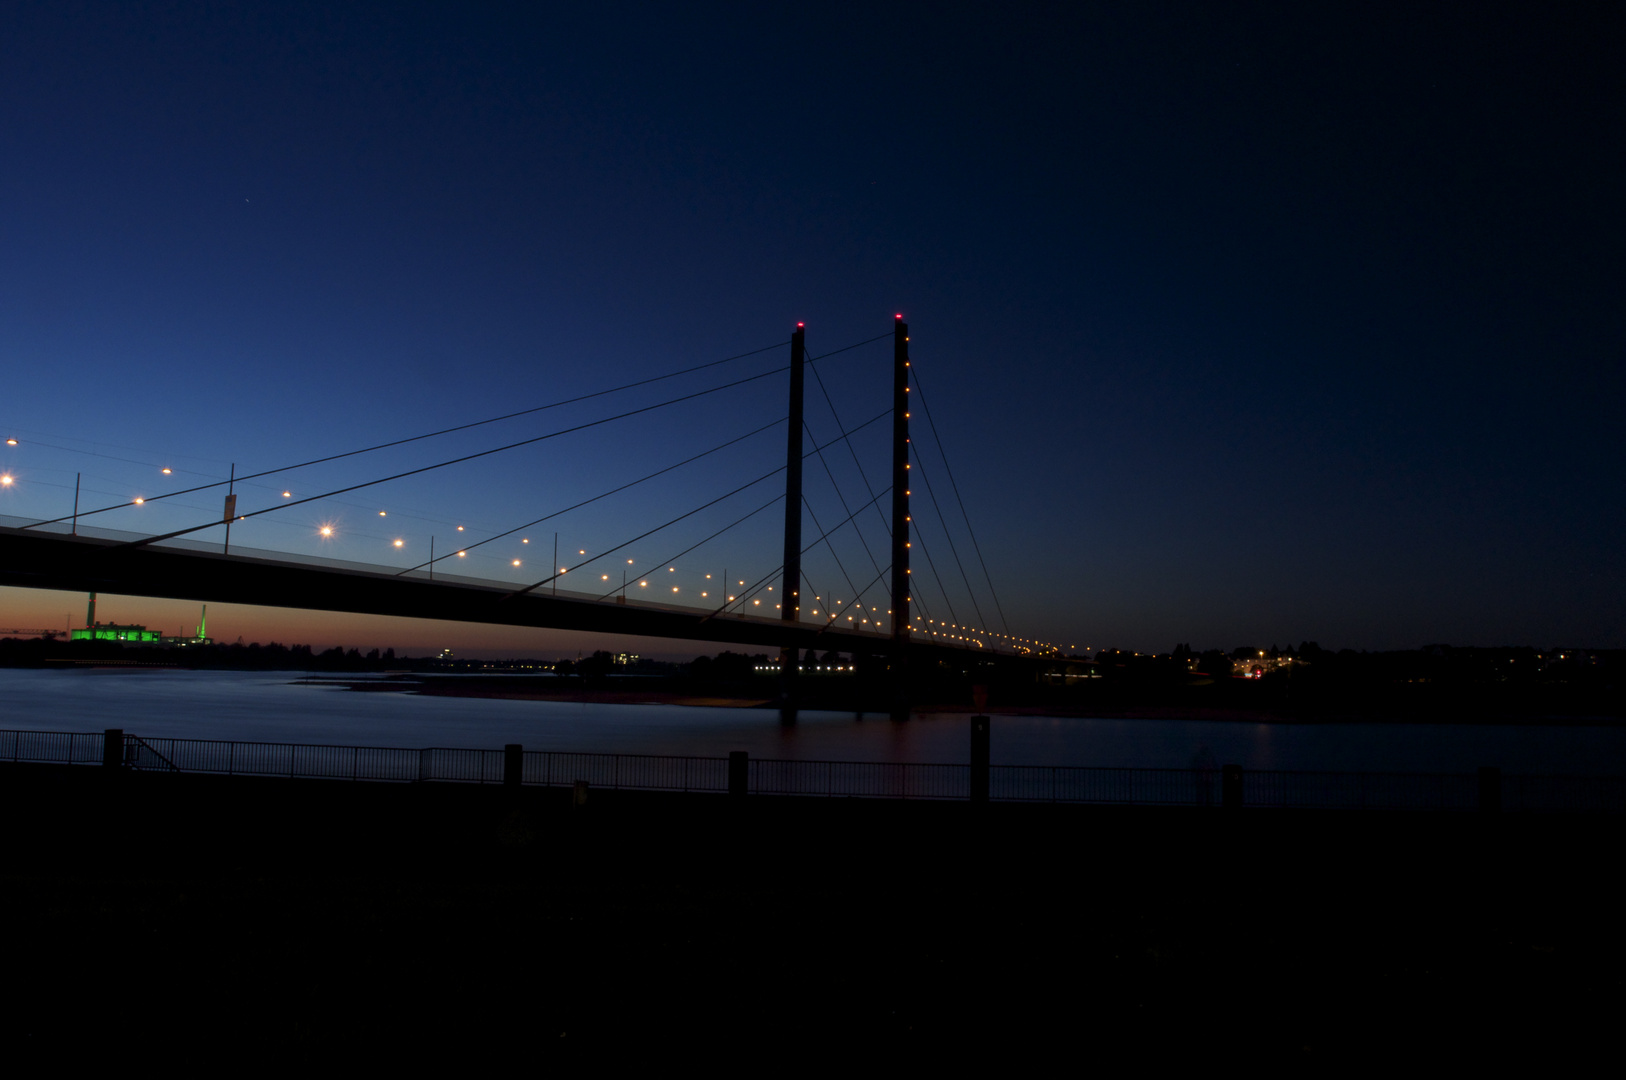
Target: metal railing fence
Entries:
(827, 779)
(52, 747)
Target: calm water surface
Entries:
(274, 707)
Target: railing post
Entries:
(979, 759)
(113, 748)
(739, 773)
(513, 764)
(1490, 789)
(1231, 787)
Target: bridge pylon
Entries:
(790, 585)
(900, 519)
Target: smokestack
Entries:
(203, 622)
(90, 612)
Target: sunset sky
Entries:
(1239, 323)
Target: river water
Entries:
(276, 707)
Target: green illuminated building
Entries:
(115, 632)
(133, 633)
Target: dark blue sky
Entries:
(1242, 325)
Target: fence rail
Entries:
(1488, 789)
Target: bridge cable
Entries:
(850, 603)
(864, 475)
(949, 469)
(952, 549)
(839, 495)
(850, 449)
(919, 535)
(707, 540)
(831, 545)
(412, 439)
(770, 575)
(595, 498)
(844, 348)
(457, 460)
(673, 521)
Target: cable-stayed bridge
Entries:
(896, 610)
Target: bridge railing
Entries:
(827, 779)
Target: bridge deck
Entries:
(37, 559)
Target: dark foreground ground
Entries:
(203, 921)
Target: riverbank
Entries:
(295, 921)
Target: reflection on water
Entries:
(274, 707)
